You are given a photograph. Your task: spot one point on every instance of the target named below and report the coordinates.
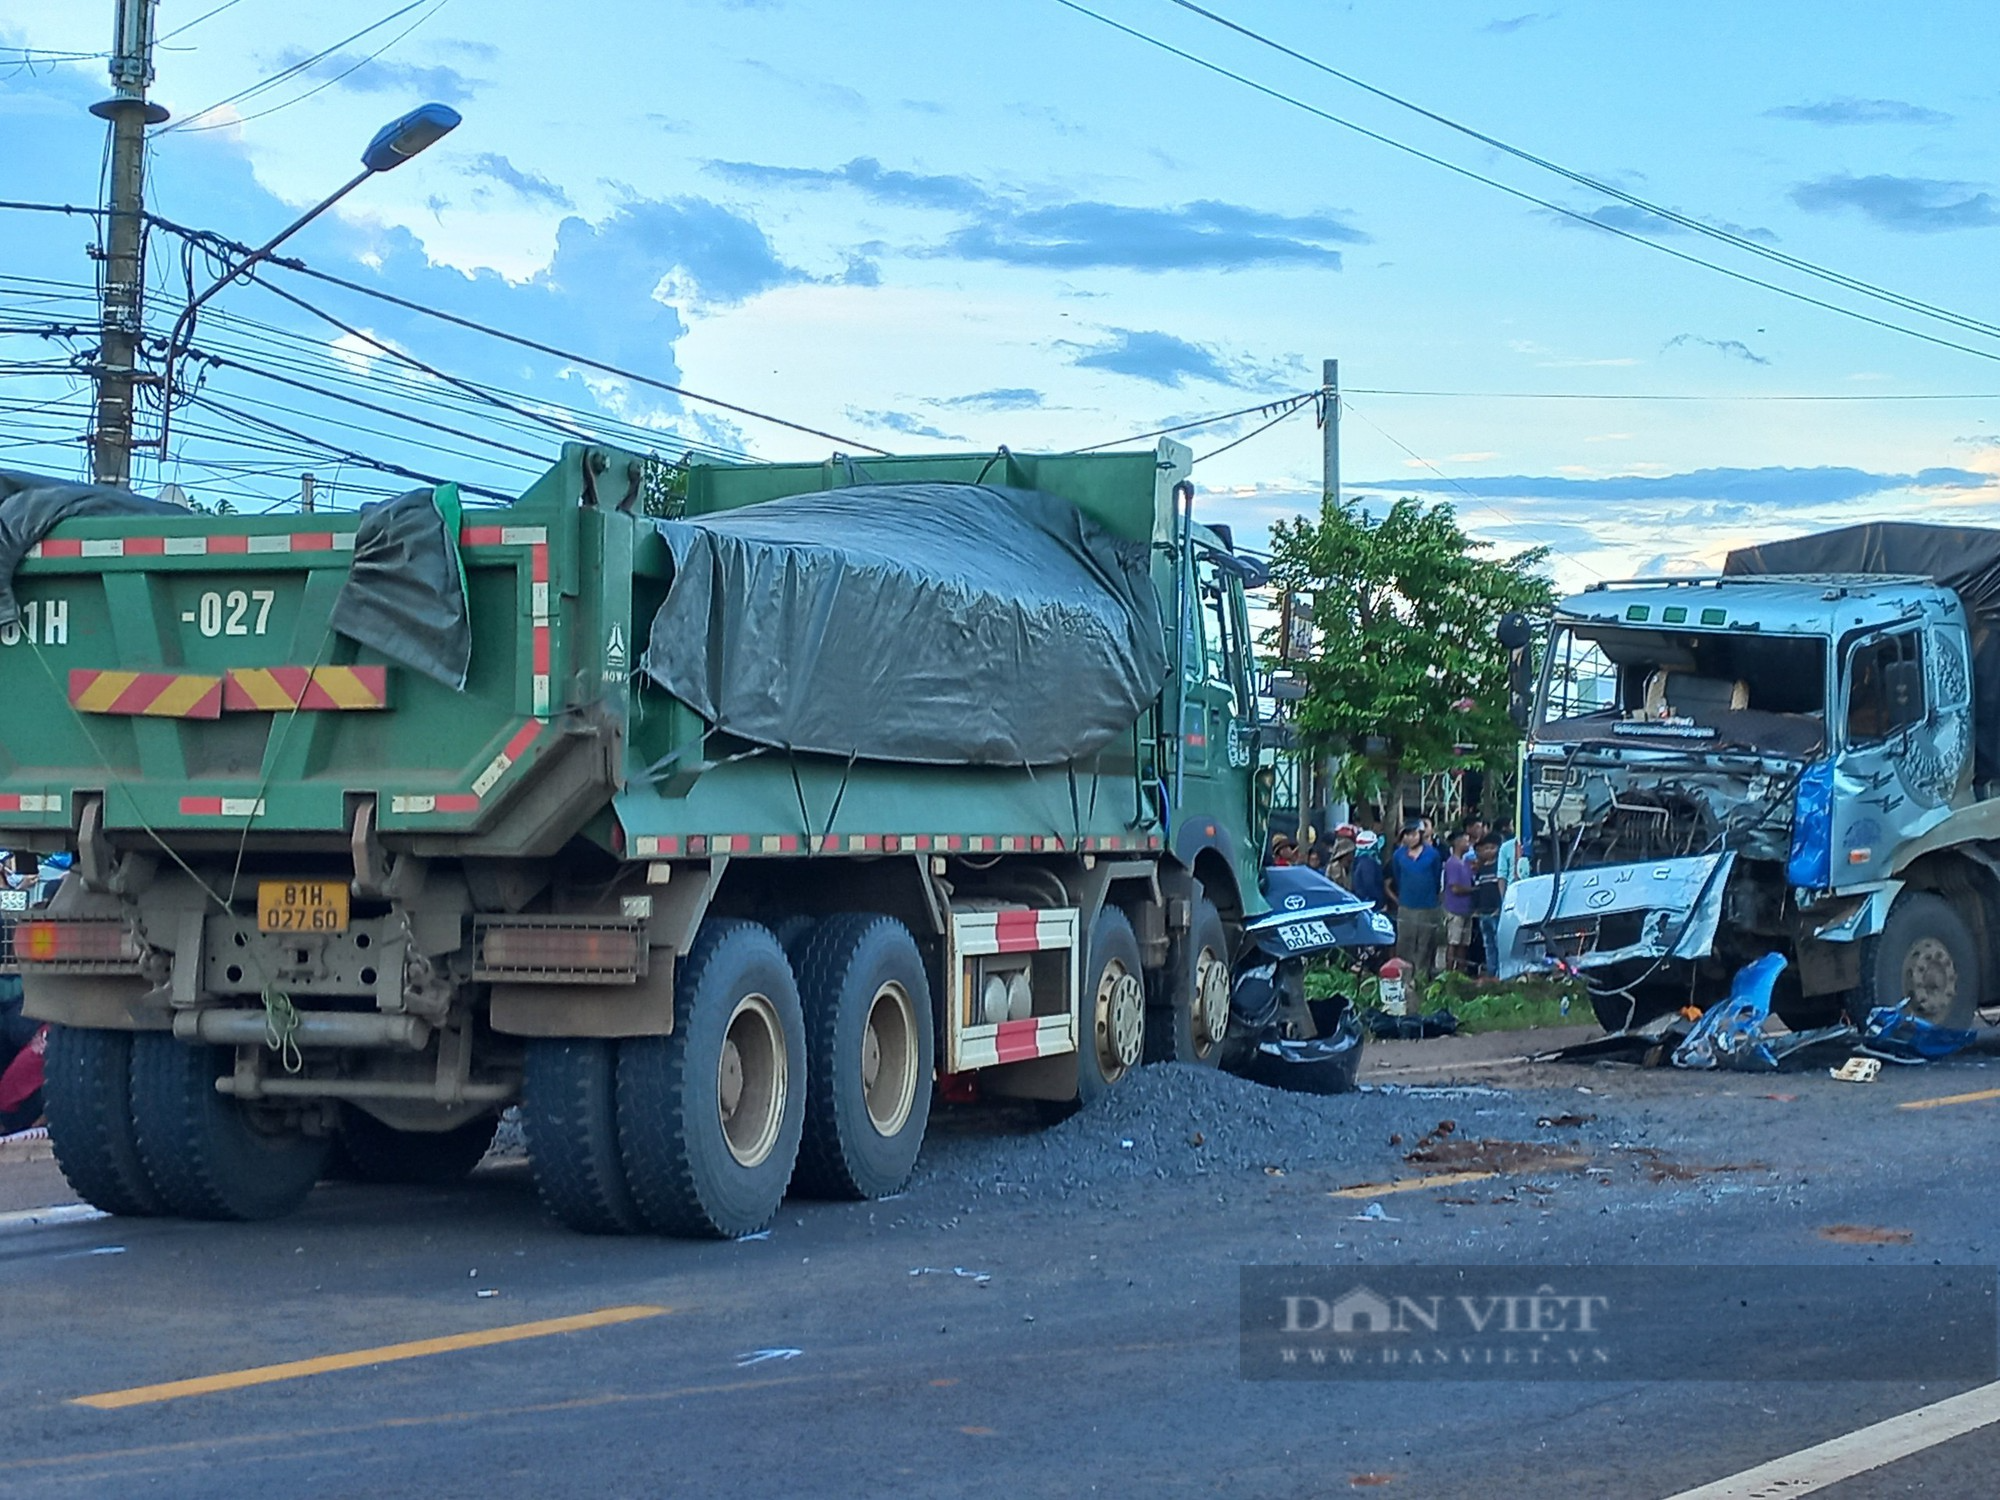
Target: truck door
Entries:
(1218, 720)
(1903, 746)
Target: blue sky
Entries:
(924, 225)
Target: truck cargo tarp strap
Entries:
(1964, 559)
(405, 594)
(30, 507)
(947, 624)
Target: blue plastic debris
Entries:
(1894, 1035)
(1732, 1035)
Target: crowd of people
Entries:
(1443, 897)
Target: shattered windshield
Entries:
(1703, 689)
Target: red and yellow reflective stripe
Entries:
(155, 695)
(313, 689)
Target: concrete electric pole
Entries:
(1329, 426)
(123, 271)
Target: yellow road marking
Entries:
(1411, 1184)
(232, 1380)
(1980, 1097)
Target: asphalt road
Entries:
(1091, 1347)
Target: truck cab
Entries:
(1720, 768)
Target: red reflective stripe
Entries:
(223, 541)
(145, 546)
(306, 541)
(522, 739)
(788, 843)
(479, 536)
(1015, 1041)
(1015, 931)
(210, 807)
(541, 651)
(538, 564)
(457, 802)
(61, 547)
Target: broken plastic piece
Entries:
(1894, 1035)
(1857, 1070)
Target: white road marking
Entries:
(62, 1213)
(1857, 1452)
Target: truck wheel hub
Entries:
(1121, 1019)
(1930, 978)
(889, 1059)
(751, 1080)
(1211, 999)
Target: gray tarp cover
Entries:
(404, 594)
(1964, 559)
(952, 624)
(31, 505)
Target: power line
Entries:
(1610, 190)
(187, 122)
(327, 83)
(190, 25)
(568, 356)
(1291, 411)
(1291, 403)
(348, 454)
(1681, 396)
(1478, 500)
(1513, 192)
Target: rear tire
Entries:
(375, 1152)
(869, 1054)
(206, 1153)
(709, 1117)
(569, 1113)
(1190, 1027)
(1925, 953)
(87, 1093)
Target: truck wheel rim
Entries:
(1121, 1019)
(889, 1059)
(1211, 995)
(750, 1081)
(1930, 978)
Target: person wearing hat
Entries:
(1415, 884)
(1365, 878)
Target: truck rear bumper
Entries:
(1586, 919)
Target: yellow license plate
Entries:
(302, 906)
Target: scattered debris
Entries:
(765, 1356)
(982, 1277)
(1659, 1168)
(1374, 1213)
(1384, 1027)
(1857, 1070)
(1737, 1034)
(1564, 1122)
(762, 1234)
(1865, 1234)
(1781, 1098)
(1323, 1065)
(1445, 1151)
(1894, 1035)
(486, 1291)
(1366, 1481)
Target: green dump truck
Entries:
(720, 844)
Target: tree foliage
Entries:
(1404, 609)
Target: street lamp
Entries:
(394, 144)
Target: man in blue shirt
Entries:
(1415, 880)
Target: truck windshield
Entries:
(1696, 688)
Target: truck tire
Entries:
(87, 1093)
(1111, 1011)
(869, 1057)
(1925, 953)
(370, 1151)
(1189, 1028)
(709, 1117)
(569, 1113)
(210, 1157)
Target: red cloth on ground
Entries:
(24, 1073)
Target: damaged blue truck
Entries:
(1799, 756)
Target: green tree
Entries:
(1404, 608)
(664, 486)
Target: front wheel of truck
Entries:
(869, 1056)
(211, 1156)
(1925, 954)
(1190, 1027)
(88, 1095)
(709, 1117)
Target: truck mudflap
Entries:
(1666, 908)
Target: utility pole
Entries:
(307, 484)
(1329, 426)
(123, 272)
